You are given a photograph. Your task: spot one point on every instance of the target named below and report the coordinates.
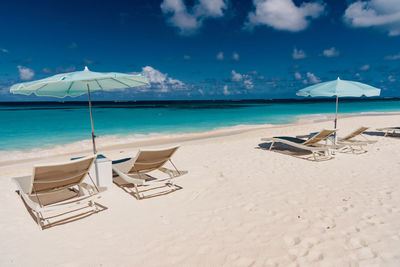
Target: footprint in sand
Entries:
(221, 177)
(314, 256)
(194, 195)
(364, 253)
(291, 241)
(244, 262)
(356, 243)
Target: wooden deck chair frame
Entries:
(354, 145)
(310, 144)
(389, 130)
(138, 167)
(41, 183)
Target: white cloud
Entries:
(382, 14)
(188, 21)
(210, 8)
(245, 78)
(220, 56)
(391, 79)
(298, 54)
(186, 57)
(236, 77)
(311, 78)
(47, 70)
(297, 75)
(25, 73)
(248, 83)
(331, 52)
(393, 57)
(226, 91)
(235, 56)
(283, 14)
(160, 81)
(365, 67)
(3, 50)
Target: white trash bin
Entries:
(101, 172)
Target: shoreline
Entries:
(109, 143)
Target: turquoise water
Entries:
(27, 126)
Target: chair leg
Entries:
(39, 220)
(137, 192)
(270, 147)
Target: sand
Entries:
(240, 205)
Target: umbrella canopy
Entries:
(339, 88)
(78, 83)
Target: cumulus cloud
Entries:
(235, 56)
(225, 90)
(25, 73)
(381, 14)
(393, 57)
(391, 79)
(248, 83)
(331, 52)
(220, 56)
(283, 14)
(298, 54)
(297, 75)
(311, 78)
(365, 67)
(160, 81)
(236, 77)
(190, 20)
(245, 79)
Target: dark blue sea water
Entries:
(42, 125)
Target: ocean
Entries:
(25, 126)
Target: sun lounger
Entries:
(351, 143)
(390, 130)
(57, 186)
(311, 144)
(134, 170)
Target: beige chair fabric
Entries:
(355, 145)
(134, 170)
(55, 186)
(312, 144)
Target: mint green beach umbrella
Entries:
(77, 83)
(339, 88)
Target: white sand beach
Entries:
(240, 205)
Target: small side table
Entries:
(101, 172)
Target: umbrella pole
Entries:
(91, 121)
(337, 100)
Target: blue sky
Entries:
(203, 49)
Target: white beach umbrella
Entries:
(339, 88)
(78, 83)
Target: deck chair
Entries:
(354, 145)
(135, 170)
(319, 151)
(57, 186)
(390, 130)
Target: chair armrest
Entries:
(128, 178)
(24, 183)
